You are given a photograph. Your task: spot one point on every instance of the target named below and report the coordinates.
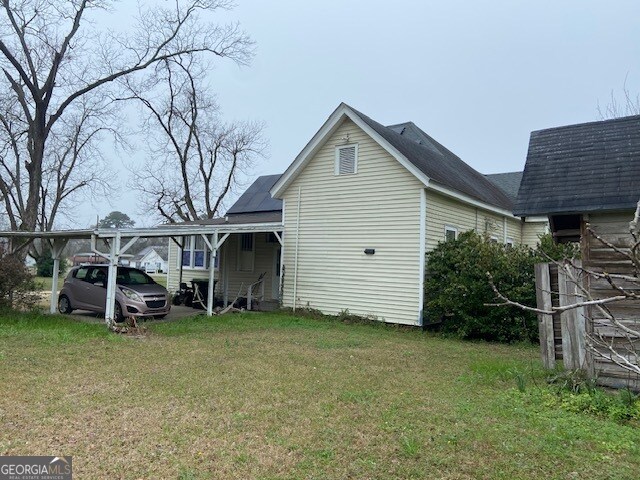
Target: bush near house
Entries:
(457, 289)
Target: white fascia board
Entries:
(318, 140)
(536, 219)
(255, 227)
(470, 200)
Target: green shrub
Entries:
(457, 289)
(16, 283)
(585, 397)
(44, 264)
(550, 250)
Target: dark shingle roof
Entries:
(161, 250)
(438, 163)
(257, 197)
(508, 182)
(582, 168)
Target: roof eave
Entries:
(469, 199)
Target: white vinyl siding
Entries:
(514, 231)
(340, 217)
(531, 232)
(446, 212)
(346, 159)
(263, 262)
(246, 253)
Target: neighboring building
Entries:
(579, 173)
(588, 175)
(358, 208)
(85, 258)
(152, 259)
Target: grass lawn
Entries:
(44, 283)
(274, 396)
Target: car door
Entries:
(96, 289)
(78, 287)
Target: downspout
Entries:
(504, 229)
(295, 260)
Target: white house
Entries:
(151, 259)
(348, 224)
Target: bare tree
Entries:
(628, 105)
(621, 342)
(194, 159)
(59, 72)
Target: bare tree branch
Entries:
(207, 155)
(56, 62)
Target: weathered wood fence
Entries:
(565, 336)
(562, 335)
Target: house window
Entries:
(186, 251)
(346, 159)
(493, 239)
(199, 252)
(246, 253)
(194, 252)
(510, 242)
(450, 233)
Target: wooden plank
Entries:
(580, 317)
(585, 251)
(608, 255)
(612, 382)
(608, 330)
(621, 240)
(567, 320)
(545, 321)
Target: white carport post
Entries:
(281, 241)
(114, 255)
(214, 242)
(213, 246)
(56, 251)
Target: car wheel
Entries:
(64, 305)
(119, 317)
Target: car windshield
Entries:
(130, 276)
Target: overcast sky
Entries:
(478, 76)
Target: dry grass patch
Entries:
(275, 396)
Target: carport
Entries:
(116, 242)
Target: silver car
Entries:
(137, 294)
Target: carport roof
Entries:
(160, 231)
